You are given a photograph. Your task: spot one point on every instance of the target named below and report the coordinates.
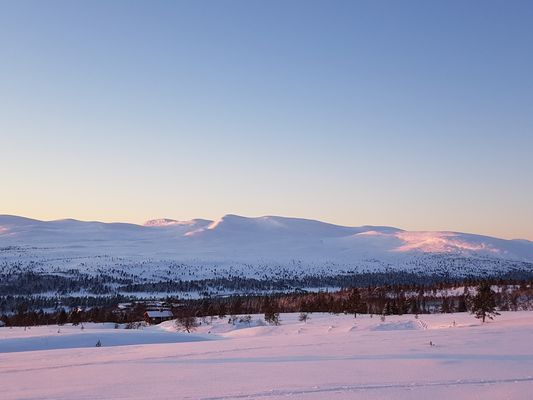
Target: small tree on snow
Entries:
(271, 314)
(247, 319)
(303, 317)
(272, 318)
(186, 323)
(484, 303)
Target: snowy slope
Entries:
(240, 241)
(332, 357)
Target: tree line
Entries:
(379, 300)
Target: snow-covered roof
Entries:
(159, 314)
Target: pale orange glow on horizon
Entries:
(418, 236)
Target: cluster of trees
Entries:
(116, 282)
(11, 304)
(391, 299)
(30, 283)
(482, 304)
(240, 284)
(75, 315)
(381, 300)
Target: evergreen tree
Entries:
(271, 314)
(446, 307)
(222, 310)
(75, 317)
(461, 306)
(484, 303)
(62, 317)
(354, 302)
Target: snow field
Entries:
(329, 357)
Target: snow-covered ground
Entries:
(329, 357)
(270, 248)
(68, 336)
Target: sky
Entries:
(412, 114)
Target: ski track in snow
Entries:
(329, 357)
(357, 388)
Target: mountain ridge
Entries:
(233, 248)
(164, 222)
(239, 238)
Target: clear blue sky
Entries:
(416, 114)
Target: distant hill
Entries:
(235, 238)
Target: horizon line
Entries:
(255, 217)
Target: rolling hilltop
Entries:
(266, 248)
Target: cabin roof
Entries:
(159, 314)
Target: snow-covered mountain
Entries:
(253, 245)
(272, 237)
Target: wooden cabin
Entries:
(157, 316)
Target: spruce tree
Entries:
(62, 317)
(484, 303)
(270, 311)
(354, 302)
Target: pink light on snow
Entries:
(372, 233)
(438, 242)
